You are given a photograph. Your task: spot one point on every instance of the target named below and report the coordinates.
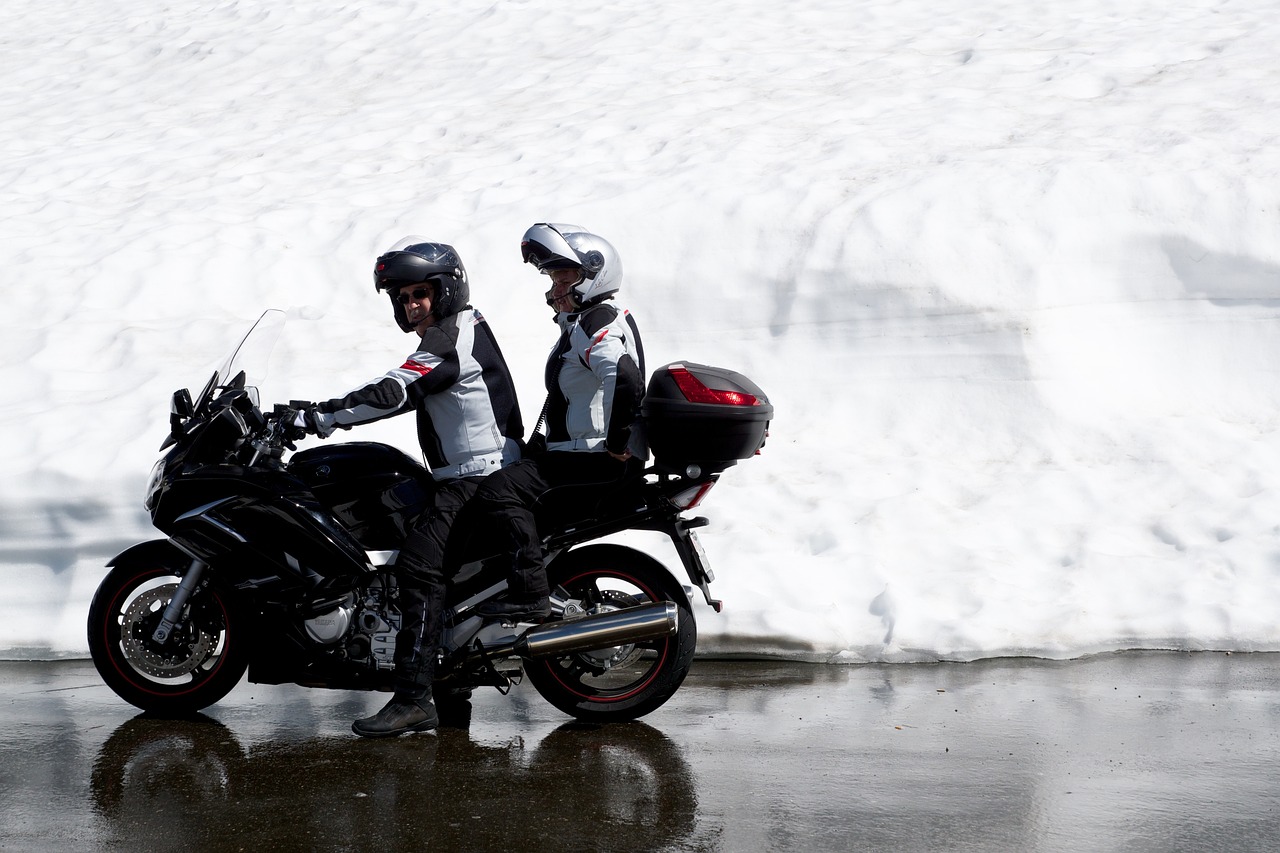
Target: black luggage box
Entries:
(705, 416)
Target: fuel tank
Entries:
(376, 491)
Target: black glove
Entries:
(305, 416)
(282, 416)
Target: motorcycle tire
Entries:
(198, 665)
(621, 682)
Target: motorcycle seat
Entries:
(564, 506)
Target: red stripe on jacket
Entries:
(416, 366)
(600, 337)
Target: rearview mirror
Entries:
(180, 409)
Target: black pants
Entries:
(420, 574)
(501, 515)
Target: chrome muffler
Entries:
(615, 628)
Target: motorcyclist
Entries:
(595, 382)
(469, 426)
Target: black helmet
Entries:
(414, 260)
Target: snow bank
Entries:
(1009, 275)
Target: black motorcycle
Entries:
(286, 568)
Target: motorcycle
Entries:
(285, 568)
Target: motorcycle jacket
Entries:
(595, 382)
(458, 382)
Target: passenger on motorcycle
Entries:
(595, 383)
(468, 425)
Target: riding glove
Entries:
(307, 417)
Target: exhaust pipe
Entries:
(616, 628)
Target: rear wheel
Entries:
(204, 657)
(618, 682)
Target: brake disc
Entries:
(182, 654)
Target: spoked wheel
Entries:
(618, 682)
(200, 662)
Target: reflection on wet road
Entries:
(158, 783)
(1153, 751)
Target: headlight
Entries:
(153, 485)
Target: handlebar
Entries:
(281, 418)
(277, 434)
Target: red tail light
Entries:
(691, 497)
(695, 391)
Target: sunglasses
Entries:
(417, 295)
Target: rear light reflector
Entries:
(691, 497)
(695, 391)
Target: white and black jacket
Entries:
(595, 382)
(458, 382)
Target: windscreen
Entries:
(250, 356)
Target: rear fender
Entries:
(692, 556)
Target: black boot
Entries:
(402, 714)
(518, 610)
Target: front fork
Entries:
(173, 611)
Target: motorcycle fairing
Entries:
(263, 537)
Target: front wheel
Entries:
(619, 682)
(202, 660)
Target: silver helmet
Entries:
(551, 246)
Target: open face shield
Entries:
(545, 246)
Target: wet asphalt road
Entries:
(1132, 752)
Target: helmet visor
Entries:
(543, 258)
(545, 248)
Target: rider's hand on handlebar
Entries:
(306, 417)
(283, 416)
(297, 420)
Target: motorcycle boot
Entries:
(520, 610)
(411, 708)
(399, 716)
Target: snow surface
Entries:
(1009, 272)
